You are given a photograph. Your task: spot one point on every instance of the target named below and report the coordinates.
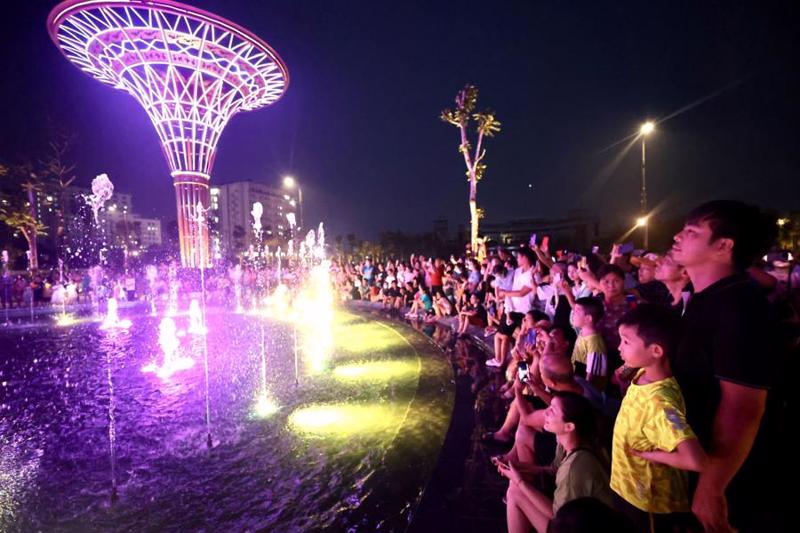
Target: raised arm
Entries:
(543, 257)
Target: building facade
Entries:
(122, 226)
(577, 230)
(231, 221)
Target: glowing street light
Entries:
(290, 183)
(645, 130)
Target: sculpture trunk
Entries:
(192, 233)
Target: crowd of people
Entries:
(643, 388)
(54, 289)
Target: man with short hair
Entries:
(726, 362)
(557, 372)
(560, 341)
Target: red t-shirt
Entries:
(436, 276)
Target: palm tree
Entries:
(487, 126)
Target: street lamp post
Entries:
(646, 129)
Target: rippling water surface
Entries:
(350, 447)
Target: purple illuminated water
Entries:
(78, 416)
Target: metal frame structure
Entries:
(190, 70)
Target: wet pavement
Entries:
(465, 492)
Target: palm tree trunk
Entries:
(473, 213)
(32, 240)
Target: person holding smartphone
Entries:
(579, 470)
(519, 302)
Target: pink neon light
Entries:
(190, 70)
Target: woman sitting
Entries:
(580, 468)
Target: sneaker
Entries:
(493, 363)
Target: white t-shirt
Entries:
(545, 293)
(506, 283)
(522, 304)
(581, 290)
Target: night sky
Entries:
(359, 124)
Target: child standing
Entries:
(589, 357)
(653, 445)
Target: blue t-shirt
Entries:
(367, 272)
(427, 302)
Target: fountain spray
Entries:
(6, 284)
(199, 218)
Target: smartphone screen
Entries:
(524, 373)
(626, 248)
(545, 242)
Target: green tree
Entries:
(20, 186)
(487, 125)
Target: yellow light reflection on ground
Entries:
(345, 420)
(376, 371)
(343, 317)
(66, 320)
(365, 338)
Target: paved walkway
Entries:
(465, 492)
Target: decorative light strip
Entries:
(190, 70)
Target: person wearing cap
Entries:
(676, 279)
(650, 289)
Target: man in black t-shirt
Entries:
(726, 360)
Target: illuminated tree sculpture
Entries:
(487, 126)
(190, 70)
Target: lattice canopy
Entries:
(190, 70)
